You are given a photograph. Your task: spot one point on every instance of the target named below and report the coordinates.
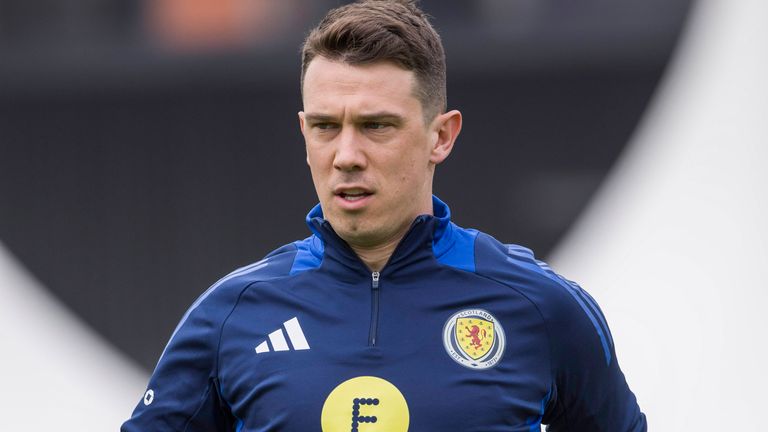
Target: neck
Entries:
(376, 257)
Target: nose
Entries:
(350, 154)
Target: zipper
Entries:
(374, 309)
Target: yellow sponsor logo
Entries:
(365, 404)
(475, 336)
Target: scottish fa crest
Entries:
(474, 338)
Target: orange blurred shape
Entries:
(190, 25)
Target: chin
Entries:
(354, 232)
(349, 230)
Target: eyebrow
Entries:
(318, 118)
(381, 116)
(376, 116)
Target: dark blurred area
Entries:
(148, 148)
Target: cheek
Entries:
(412, 169)
(316, 159)
(316, 170)
(405, 177)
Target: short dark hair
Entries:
(383, 30)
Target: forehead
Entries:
(381, 85)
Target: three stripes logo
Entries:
(278, 341)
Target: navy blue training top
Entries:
(458, 332)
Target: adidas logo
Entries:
(278, 341)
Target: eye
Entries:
(325, 126)
(375, 125)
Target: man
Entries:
(389, 317)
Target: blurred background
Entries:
(149, 147)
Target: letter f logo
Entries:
(384, 408)
(356, 417)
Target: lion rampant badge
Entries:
(474, 338)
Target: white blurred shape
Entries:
(675, 246)
(58, 374)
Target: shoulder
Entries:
(277, 264)
(216, 302)
(568, 310)
(517, 267)
(209, 311)
(508, 264)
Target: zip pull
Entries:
(375, 280)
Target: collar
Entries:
(430, 236)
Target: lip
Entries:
(346, 204)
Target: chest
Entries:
(424, 355)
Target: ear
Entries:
(303, 131)
(445, 128)
(301, 122)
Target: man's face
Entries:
(371, 155)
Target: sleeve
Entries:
(183, 392)
(590, 392)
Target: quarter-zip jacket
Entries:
(458, 332)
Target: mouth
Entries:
(352, 194)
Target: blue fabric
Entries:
(264, 348)
(535, 422)
(309, 255)
(452, 245)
